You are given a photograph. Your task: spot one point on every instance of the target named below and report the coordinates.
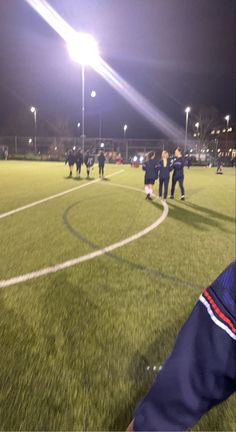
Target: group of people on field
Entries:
(154, 170)
(76, 158)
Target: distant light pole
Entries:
(83, 49)
(125, 129)
(187, 111)
(197, 126)
(93, 95)
(34, 112)
(227, 118)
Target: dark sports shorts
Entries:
(148, 181)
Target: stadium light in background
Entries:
(187, 111)
(33, 110)
(125, 129)
(227, 118)
(83, 49)
(94, 95)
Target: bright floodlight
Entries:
(102, 145)
(188, 109)
(227, 117)
(93, 94)
(32, 109)
(78, 124)
(83, 49)
(30, 141)
(197, 125)
(125, 127)
(135, 158)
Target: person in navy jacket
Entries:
(79, 162)
(101, 162)
(151, 174)
(70, 159)
(164, 168)
(178, 174)
(89, 161)
(201, 370)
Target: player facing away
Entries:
(89, 161)
(178, 174)
(70, 159)
(200, 372)
(101, 163)
(79, 162)
(151, 174)
(164, 169)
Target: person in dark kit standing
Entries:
(200, 372)
(70, 159)
(151, 174)
(164, 168)
(178, 174)
(89, 161)
(101, 163)
(219, 166)
(79, 162)
(189, 162)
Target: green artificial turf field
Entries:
(76, 345)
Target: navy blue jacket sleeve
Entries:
(201, 370)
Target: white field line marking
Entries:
(35, 203)
(89, 256)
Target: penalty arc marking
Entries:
(53, 269)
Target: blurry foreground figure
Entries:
(201, 370)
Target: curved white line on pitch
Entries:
(35, 203)
(87, 257)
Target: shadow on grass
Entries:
(210, 212)
(199, 221)
(141, 373)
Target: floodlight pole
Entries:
(83, 108)
(187, 110)
(35, 130)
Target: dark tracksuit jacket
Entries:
(78, 160)
(178, 175)
(101, 162)
(89, 161)
(151, 171)
(70, 159)
(201, 370)
(164, 176)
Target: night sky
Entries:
(175, 52)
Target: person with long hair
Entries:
(151, 174)
(164, 168)
(178, 174)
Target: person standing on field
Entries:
(79, 162)
(101, 163)
(70, 159)
(151, 174)
(178, 174)
(164, 168)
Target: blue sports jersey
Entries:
(164, 171)
(151, 169)
(178, 166)
(201, 370)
